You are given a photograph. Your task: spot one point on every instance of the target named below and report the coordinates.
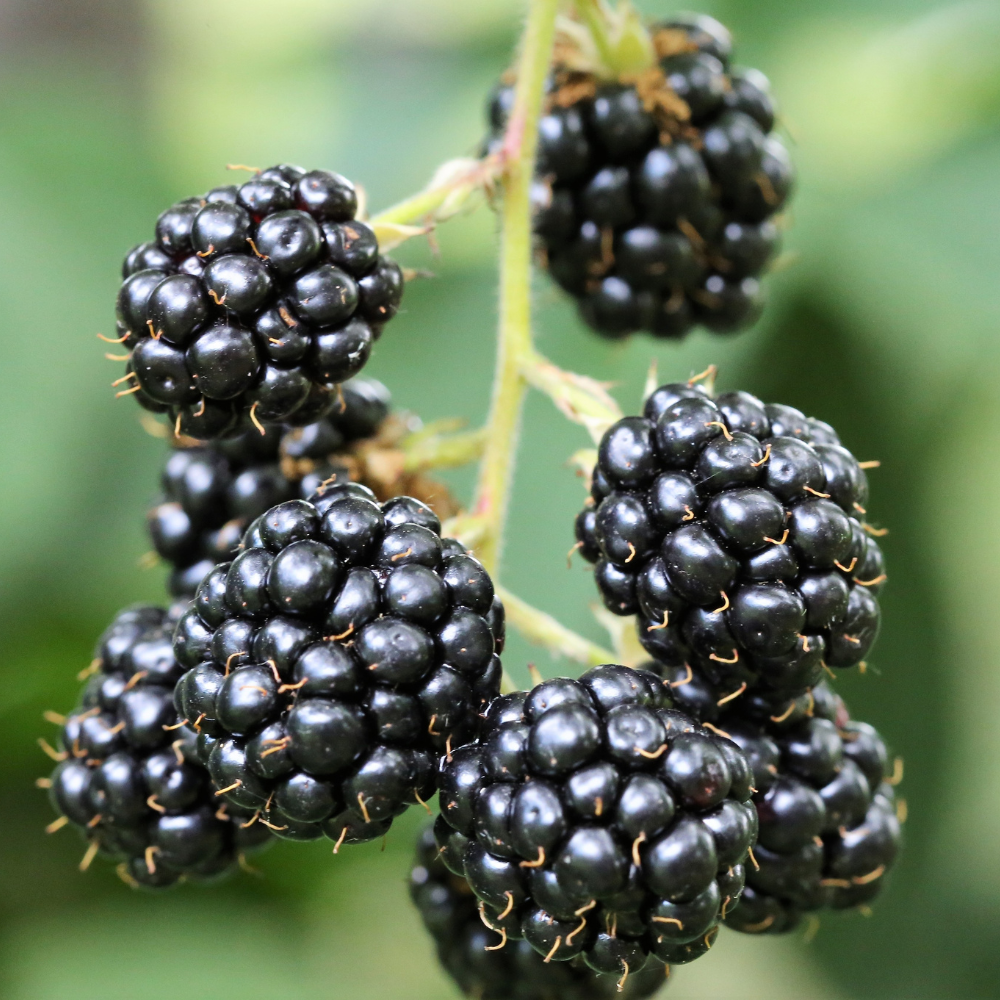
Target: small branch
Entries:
(514, 334)
(543, 630)
(628, 649)
(453, 188)
(582, 399)
(431, 448)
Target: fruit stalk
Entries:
(514, 341)
(453, 188)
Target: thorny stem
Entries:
(514, 341)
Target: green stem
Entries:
(412, 209)
(452, 184)
(514, 334)
(579, 398)
(442, 451)
(543, 630)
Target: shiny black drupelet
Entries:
(132, 780)
(211, 493)
(827, 812)
(467, 949)
(656, 197)
(253, 303)
(344, 649)
(593, 820)
(736, 532)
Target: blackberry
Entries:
(211, 492)
(131, 779)
(253, 303)
(656, 196)
(827, 814)
(591, 819)
(344, 649)
(735, 532)
(464, 942)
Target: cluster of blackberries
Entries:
(467, 948)
(736, 532)
(591, 819)
(335, 659)
(212, 492)
(131, 778)
(656, 195)
(254, 302)
(827, 813)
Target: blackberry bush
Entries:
(343, 650)
(593, 820)
(130, 778)
(340, 659)
(827, 813)
(736, 533)
(658, 188)
(466, 946)
(254, 302)
(212, 492)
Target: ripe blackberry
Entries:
(827, 814)
(464, 942)
(344, 649)
(211, 492)
(254, 302)
(130, 778)
(657, 193)
(736, 532)
(593, 820)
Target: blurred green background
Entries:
(884, 321)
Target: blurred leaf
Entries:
(864, 104)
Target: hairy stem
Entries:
(579, 398)
(434, 449)
(514, 335)
(543, 630)
(450, 189)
